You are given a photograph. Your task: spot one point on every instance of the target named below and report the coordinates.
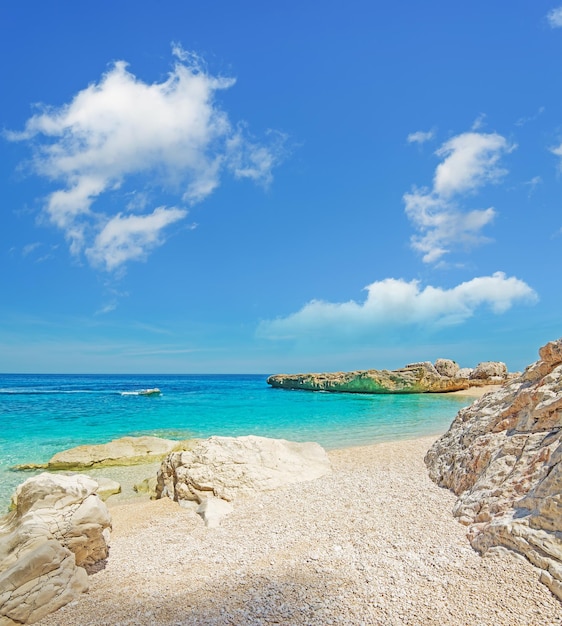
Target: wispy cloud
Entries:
(554, 17)
(530, 118)
(30, 247)
(479, 122)
(420, 136)
(172, 132)
(533, 183)
(469, 161)
(557, 151)
(107, 308)
(392, 303)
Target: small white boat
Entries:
(149, 392)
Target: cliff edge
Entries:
(502, 457)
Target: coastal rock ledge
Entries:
(503, 457)
(124, 451)
(425, 377)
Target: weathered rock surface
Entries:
(446, 367)
(59, 526)
(227, 467)
(148, 486)
(413, 378)
(123, 451)
(502, 457)
(489, 369)
(107, 487)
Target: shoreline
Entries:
(374, 542)
(128, 476)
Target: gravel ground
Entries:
(373, 543)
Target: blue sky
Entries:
(257, 187)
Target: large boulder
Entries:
(502, 457)
(227, 467)
(123, 451)
(59, 527)
(489, 370)
(446, 367)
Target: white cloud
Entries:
(554, 17)
(470, 160)
(131, 237)
(557, 151)
(420, 136)
(172, 133)
(398, 303)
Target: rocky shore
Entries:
(503, 457)
(251, 530)
(373, 542)
(442, 376)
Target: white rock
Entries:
(58, 525)
(227, 467)
(212, 510)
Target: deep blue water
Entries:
(43, 414)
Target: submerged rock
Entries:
(503, 457)
(59, 527)
(228, 467)
(123, 451)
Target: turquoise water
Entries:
(43, 414)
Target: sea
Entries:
(44, 414)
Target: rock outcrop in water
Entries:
(59, 527)
(223, 468)
(503, 457)
(124, 451)
(423, 377)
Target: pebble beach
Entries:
(372, 543)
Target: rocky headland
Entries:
(442, 376)
(502, 457)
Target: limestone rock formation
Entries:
(107, 487)
(59, 526)
(489, 370)
(124, 451)
(413, 378)
(446, 367)
(503, 457)
(227, 467)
